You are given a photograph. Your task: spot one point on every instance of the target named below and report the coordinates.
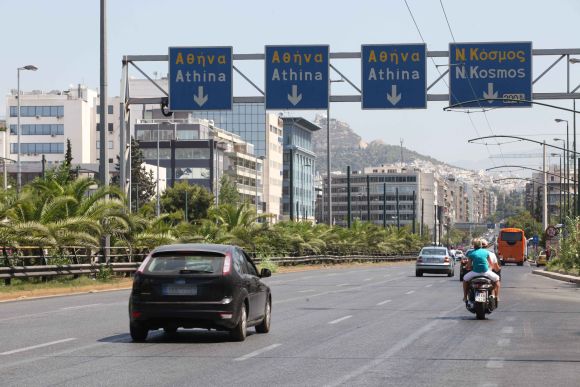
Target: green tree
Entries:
(143, 184)
(198, 202)
(526, 222)
(228, 191)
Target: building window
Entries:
(111, 161)
(37, 111)
(38, 129)
(109, 143)
(191, 173)
(151, 153)
(37, 148)
(110, 126)
(191, 153)
(110, 109)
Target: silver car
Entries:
(436, 260)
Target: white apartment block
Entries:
(47, 120)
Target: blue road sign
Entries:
(297, 77)
(200, 78)
(535, 240)
(490, 70)
(394, 76)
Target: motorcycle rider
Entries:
(495, 266)
(479, 264)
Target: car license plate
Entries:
(480, 297)
(179, 290)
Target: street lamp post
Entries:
(560, 182)
(566, 173)
(19, 173)
(568, 163)
(328, 152)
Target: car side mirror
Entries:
(264, 273)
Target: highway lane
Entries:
(354, 326)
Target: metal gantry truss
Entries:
(567, 93)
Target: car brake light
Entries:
(446, 259)
(227, 264)
(136, 314)
(143, 264)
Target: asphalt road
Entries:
(364, 326)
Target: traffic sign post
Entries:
(498, 71)
(200, 78)
(394, 76)
(297, 77)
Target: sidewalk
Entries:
(557, 276)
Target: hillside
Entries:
(348, 148)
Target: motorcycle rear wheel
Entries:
(480, 310)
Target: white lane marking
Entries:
(383, 302)
(503, 342)
(37, 346)
(257, 352)
(345, 284)
(350, 289)
(489, 385)
(340, 319)
(495, 362)
(306, 291)
(387, 275)
(510, 318)
(80, 307)
(507, 330)
(410, 292)
(367, 279)
(428, 286)
(394, 349)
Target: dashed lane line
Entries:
(495, 362)
(383, 302)
(257, 352)
(507, 330)
(503, 342)
(410, 292)
(36, 346)
(340, 319)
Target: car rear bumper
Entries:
(185, 315)
(434, 267)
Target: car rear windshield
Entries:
(511, 237)
(185, 263)
(433, 252)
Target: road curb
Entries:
(557, 276)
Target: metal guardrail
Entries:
(59, 270)
(49, 271)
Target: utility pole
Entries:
(104, 154)
(545, 209)
(368, 198)
(397, 201)
(414, 211)
(384, 205)
(348, 198)
(402, 160)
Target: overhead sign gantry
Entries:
(297, 77)
(200, 78)
(498, 72)
(394, 76)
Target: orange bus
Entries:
(511, 246)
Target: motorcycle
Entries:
(479, 297)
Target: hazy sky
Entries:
(61, 37)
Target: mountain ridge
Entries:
(348, 148)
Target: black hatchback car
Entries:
(199, 286)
